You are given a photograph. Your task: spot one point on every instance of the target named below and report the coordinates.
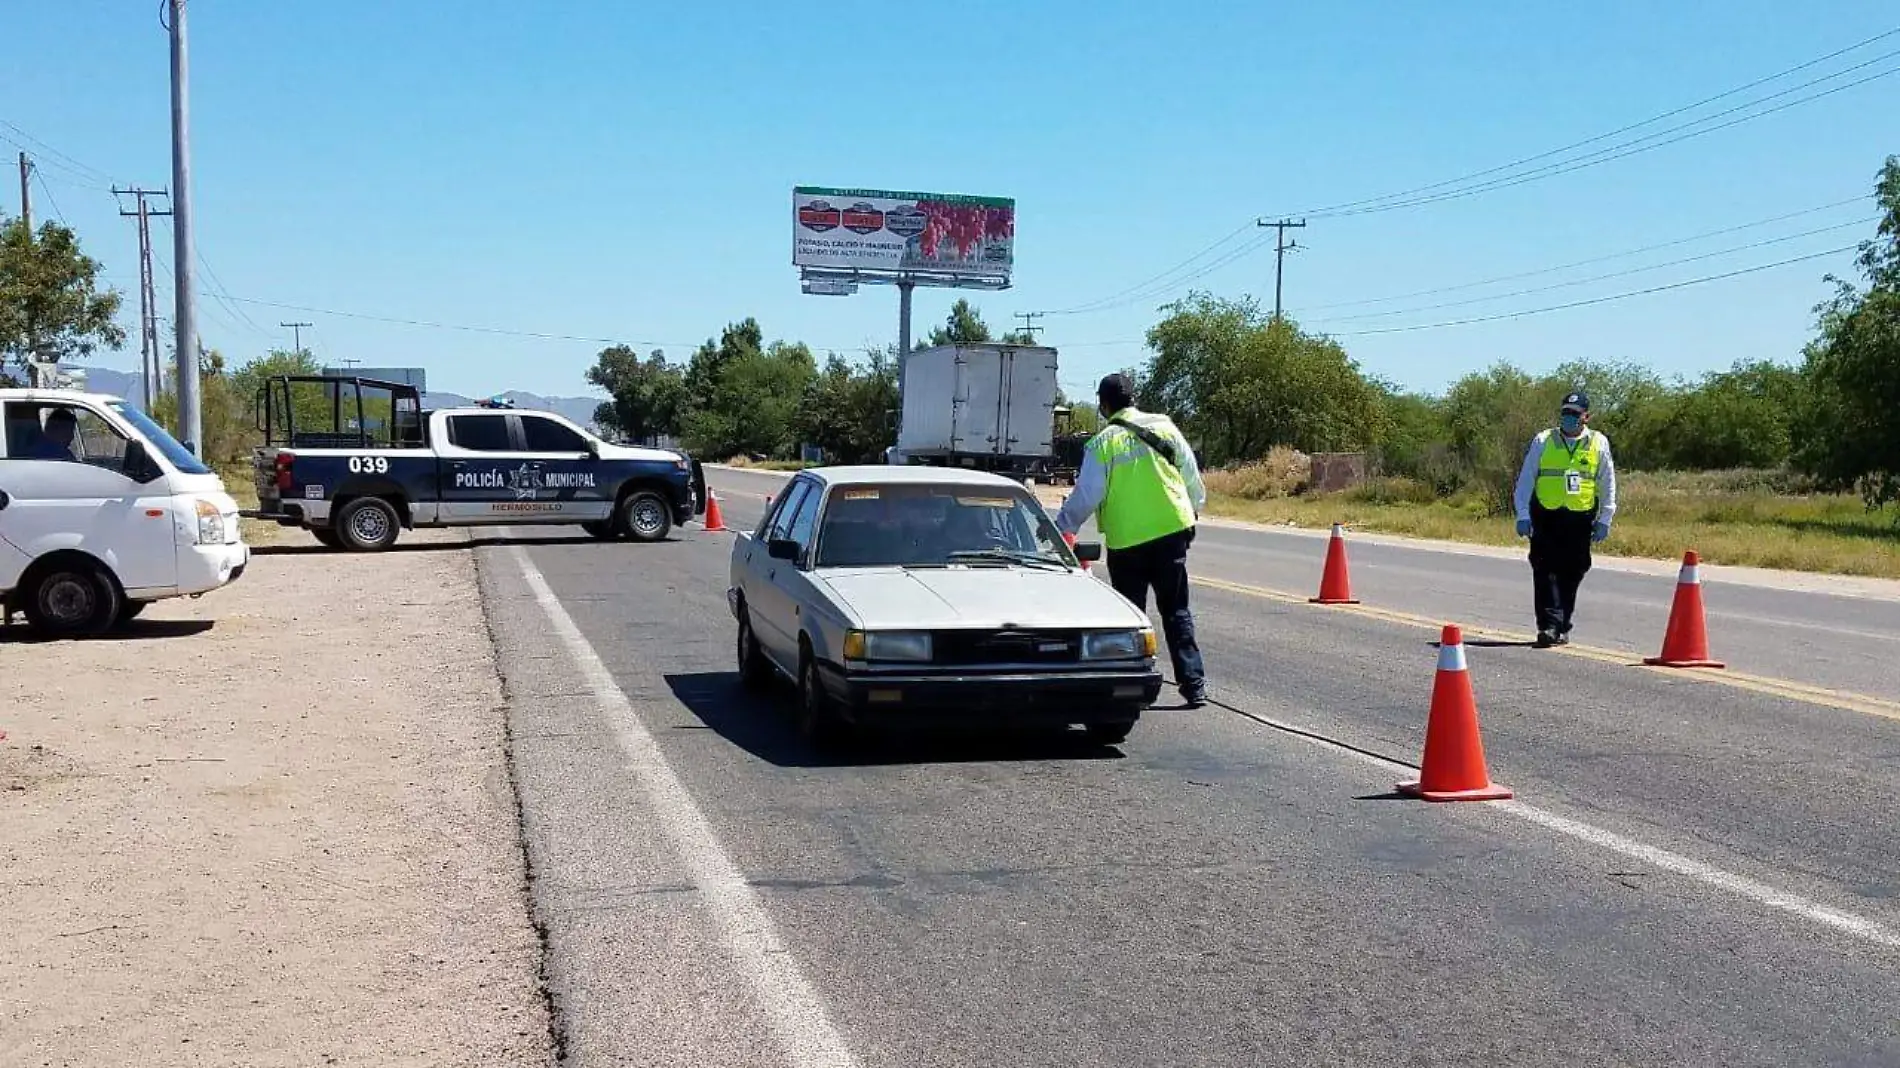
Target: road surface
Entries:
(1693, 873)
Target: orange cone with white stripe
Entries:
(1453, 768)
(1335, 585)
(714, 521)
(1686, 642)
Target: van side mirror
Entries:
(138, 465)
(782, 549)
(1088, 551)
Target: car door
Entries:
(64, 473)
(569, 474)
(772, 616)
(485, 474)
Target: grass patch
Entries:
(1740, 518)
(747, 463)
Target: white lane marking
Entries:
(1739, 885)
(793, 1006)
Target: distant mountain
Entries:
(131, 386)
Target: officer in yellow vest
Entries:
(1141, 482)
(1566, 498)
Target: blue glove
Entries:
(1601, 532)
(1523, 528)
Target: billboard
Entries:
(875, 230)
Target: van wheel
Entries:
(645, 516)
(72, 600)
(368, 524)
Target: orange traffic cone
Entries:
(1453, 768)
(1686, 642)
(714, 521)
(1335, 587)
(1070, 539)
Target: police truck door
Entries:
(569, 472)
(481, 470)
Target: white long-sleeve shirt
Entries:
(1534, 460)
(1091, 483)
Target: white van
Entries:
(102, 512)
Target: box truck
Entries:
(985, 406)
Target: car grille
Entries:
(1013, 646)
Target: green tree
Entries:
(850, 411)
(1492, 416)
(1743, 417)
(964, 325)
(741, 398)
(51, 306)
(1849, 429)
(225, 417)
(648, 395)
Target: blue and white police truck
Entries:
(356, 461)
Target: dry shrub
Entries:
(1284, 473)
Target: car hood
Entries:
(943, 598)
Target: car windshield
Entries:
(937, 525)
(167, 446)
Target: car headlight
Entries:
(907, 645)
(210, 523)
(1118, 644)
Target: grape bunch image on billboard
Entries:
(878, 230)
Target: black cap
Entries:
(1576, 401)
(1117, 391)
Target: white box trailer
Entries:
(986, 406)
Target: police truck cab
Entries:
(357, 460)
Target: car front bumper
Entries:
(1030, 699)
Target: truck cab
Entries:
(356, 461)
(102, 512)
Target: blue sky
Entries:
(624, 170)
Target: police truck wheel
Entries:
(72, 600)
(328, 537)
(645, 516)
(368, 524)
(602, 529)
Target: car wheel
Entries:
(72, 601)
(368, 524)
(645, 516)
(818, 721)
(1109, 733)
(754, 670)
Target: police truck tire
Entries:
(602, 529)
(328, 537)
(368, 524)
(72, 599)
(644, 515)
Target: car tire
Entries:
(755, 671)
(601, 528)
(818, 721)
(644, 515)
(368, 525)
(72, 600)
(1109, 733)
(327, 537)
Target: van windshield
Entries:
(179, 456)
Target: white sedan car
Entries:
(926, 596)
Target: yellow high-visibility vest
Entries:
(1147, 497)
(1567, 479)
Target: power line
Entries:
(50, 199)
(1604, 277)
(1514, 164)
(539, 335)
(60, 159)
(1600, 300)
(1096, 305)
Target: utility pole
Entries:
(26, 195)
(1280, 248)
(297, 332)
(150, 356)
(1029, 321)
(190, 423)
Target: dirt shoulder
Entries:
(273, 826)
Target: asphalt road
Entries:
(1693, 873)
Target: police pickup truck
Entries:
(357, 460)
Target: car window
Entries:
(932, 526)
(63, 433)
(804, 519)
(788, 509)
(480, 433)
(546, 435)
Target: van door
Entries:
(64, 473)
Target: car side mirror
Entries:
(782, 549)
(138, 465)
(1088, 551)
(4, 500)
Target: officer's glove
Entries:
(1523, 528)
(1601, 532)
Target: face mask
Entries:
(1572, 423)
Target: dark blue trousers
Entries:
(1162, 564)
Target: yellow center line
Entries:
(1763, 684)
